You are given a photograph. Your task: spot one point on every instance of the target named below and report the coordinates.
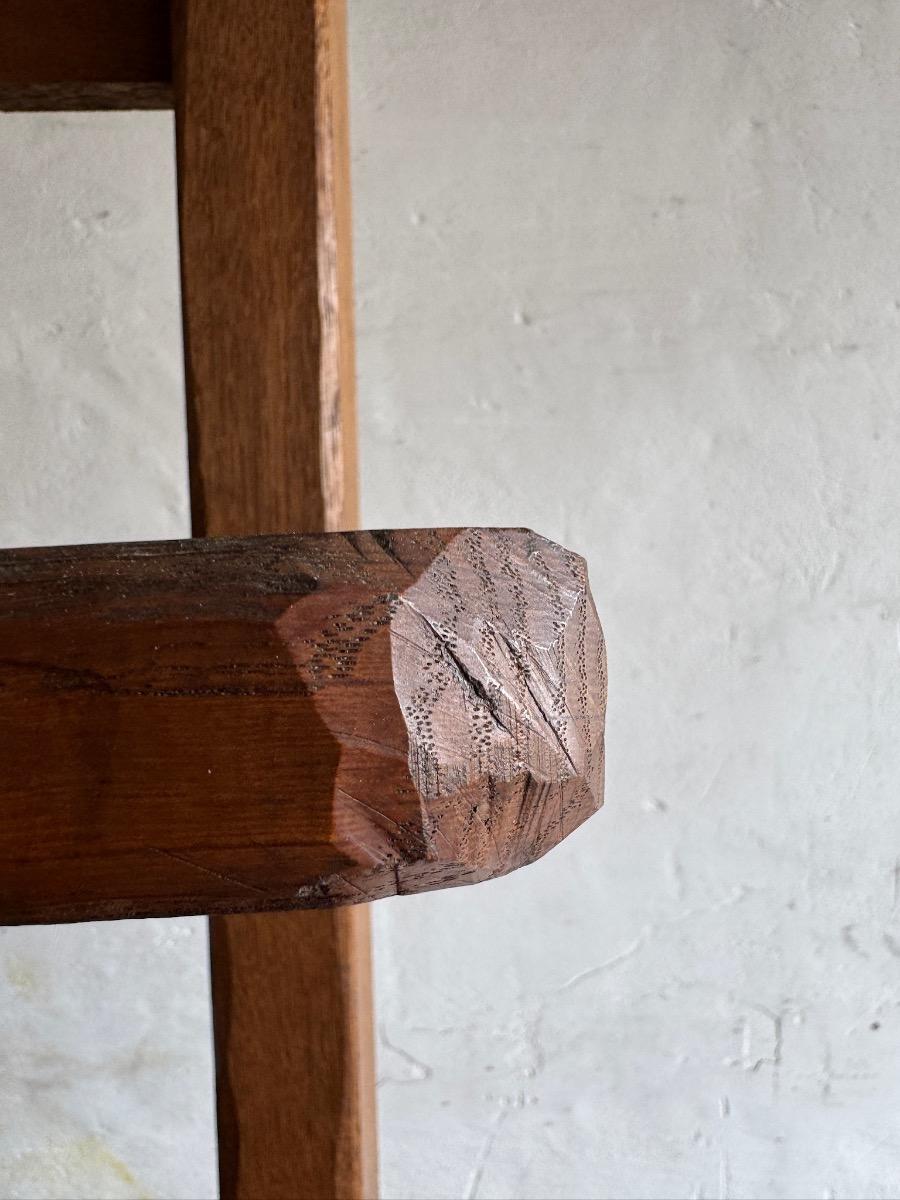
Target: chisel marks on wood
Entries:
(499, 668)
(487, 660)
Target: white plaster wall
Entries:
(627, 273)
(105, 1058)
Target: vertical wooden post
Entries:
(263, 170)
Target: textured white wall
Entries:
(626, 272)
(105, 1058)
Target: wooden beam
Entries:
(84, 54)
(266, 275)
(253, 724)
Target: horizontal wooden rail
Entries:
(279, 722)
(84, 54)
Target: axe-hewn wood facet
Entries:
(245, 724)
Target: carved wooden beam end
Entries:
(488, 746)
(275, 722)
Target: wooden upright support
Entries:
(263, 181)
(263, 176)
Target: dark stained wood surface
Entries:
(285, 722)
(65, 54)
(264, 207)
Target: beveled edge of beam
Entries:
(81, 96)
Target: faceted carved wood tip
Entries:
(492, 750)
(245, 724)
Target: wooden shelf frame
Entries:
(259, 91)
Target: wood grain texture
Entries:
(268, 333)
(294, 1052)
(285, 722)
(261, 119)
(70, 54)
